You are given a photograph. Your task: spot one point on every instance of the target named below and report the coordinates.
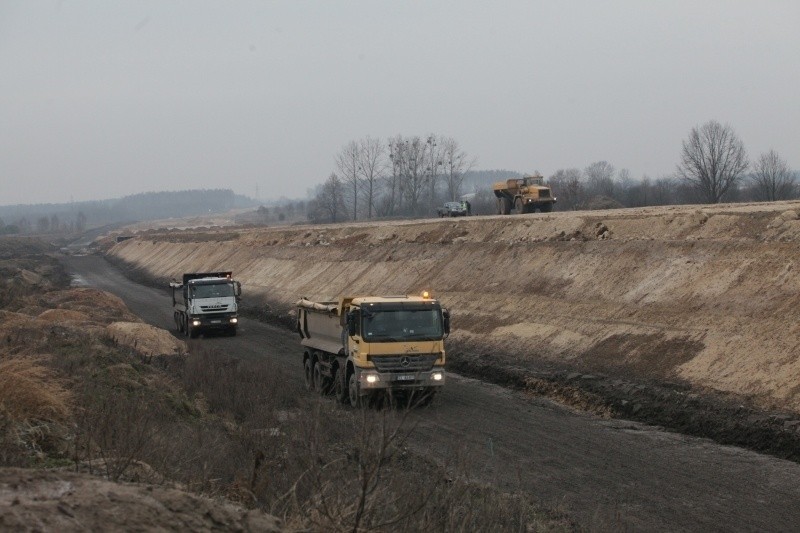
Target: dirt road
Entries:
(607, 475)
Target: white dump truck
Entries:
(206, 301)
(359, 347)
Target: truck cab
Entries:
(206, 301)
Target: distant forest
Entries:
(77, 216)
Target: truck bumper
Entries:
(370, 379)
(208, 323)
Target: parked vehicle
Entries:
(453, 209)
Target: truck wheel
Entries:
(193, 332)
(308, 374)
(519, 206)
(340, 385)
(506, 206)
(321, 383)
(353, 392)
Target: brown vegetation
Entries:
(73, 396)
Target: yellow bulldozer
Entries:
(524, 195)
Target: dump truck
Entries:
(524, 195)
(362, 347)
(206, 301)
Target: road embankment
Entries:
(706, 297)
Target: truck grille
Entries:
(213, 308)
(544, 193)
(215, 315)
(405, 363)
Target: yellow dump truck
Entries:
(524, 195)
(363, 346)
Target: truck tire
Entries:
(340, 385)
(519, 206)
(308, 374)
(353, 392)
(322, 384)
(505, 206)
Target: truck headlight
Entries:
(234, 320)
(195, 322)
(437, 376)
(372, 378)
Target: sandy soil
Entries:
(146, 339)
(707, 295)
(36, 500)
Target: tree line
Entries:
(401, 177)
(410, 176)
(76, 217)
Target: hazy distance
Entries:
(105, 99)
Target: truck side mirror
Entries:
(446, 321)
(238, 289)
(351, 324)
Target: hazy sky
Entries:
(103, 99)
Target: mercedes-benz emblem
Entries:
(405, 361)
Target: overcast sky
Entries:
(103, 99)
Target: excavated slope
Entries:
(705, 294)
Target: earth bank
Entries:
(704, 296)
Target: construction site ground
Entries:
(702, 299)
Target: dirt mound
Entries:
(146, 339)
(35, 500)
(63, 315)
(99, 305)
(705, 295)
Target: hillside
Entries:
(704, 295)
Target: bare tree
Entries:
(433, 147)
(568, 188)
(415, 174)
(713, 159)
(370, 164)
(772, 178)
(409, 172)
(455, 164)
(330, 199)
(394, 176)
(600, 178)
(347, 162)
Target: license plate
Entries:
(216, 321)
(405, 377)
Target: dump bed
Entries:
(320, 325)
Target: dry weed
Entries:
(30, 391)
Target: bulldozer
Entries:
(524, 195)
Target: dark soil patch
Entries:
(726, 419)
(642, 354)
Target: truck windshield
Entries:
(402, 325)
(216, 290)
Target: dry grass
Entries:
(29, 390)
